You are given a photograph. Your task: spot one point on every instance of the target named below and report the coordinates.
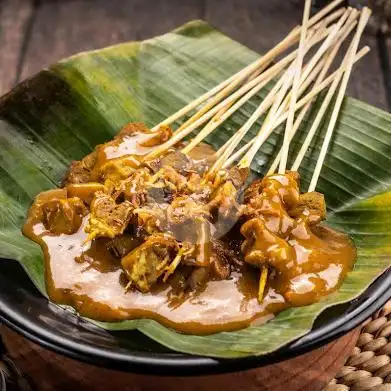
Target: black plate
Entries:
(26, 311)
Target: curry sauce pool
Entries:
(128, 238)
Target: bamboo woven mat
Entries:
(367, 369)
(369, 366)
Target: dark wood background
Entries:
(36, 33)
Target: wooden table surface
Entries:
(37, 33)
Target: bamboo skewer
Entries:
(302, 102)
(235, 140)
(239, 135)
(252, 87)
(268, 123)
(218, 120)
(332, 35)
(366, 13)
(287, 42)
(305, 80)
(316, 123)
(222, 94)
(295, 90)
(328, 62)
(194, 123)
(228, 148)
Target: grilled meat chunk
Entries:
(146, 263)
(80, 170)
(107, 218)
(311, 204)
(175, 159)
(262, 246)
(63, 216)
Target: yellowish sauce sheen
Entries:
(88, 277)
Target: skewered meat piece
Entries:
(197, 188)
(175, 159)
(285, 186)
(220, 260)
(218, 268)
(169, 177)
(311, 204)
(80, 170)
(58, 213)
(151, 218)
(271, 210)
(198, 236)
(238, 176)
(85, 170)
(224, 199)
(130, 129)
(203, 156)
(270, 199)
(224, 202)
(146, 263)
(185, 209)
(107, 218)
(120, 168)
(121, 156)
(261, 246)
(198, 278)
(134, 189)
(63, 216)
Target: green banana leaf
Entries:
(63, 112)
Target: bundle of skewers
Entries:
(182, 208)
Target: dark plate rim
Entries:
(174, 364)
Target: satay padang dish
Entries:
(157, 223)
(168, 241)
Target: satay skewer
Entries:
(245, 162)
(348, 62)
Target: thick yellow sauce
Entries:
(89, 278)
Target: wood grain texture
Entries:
(257, 24)
(14, 19)
(63, 28)
(309, 372)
